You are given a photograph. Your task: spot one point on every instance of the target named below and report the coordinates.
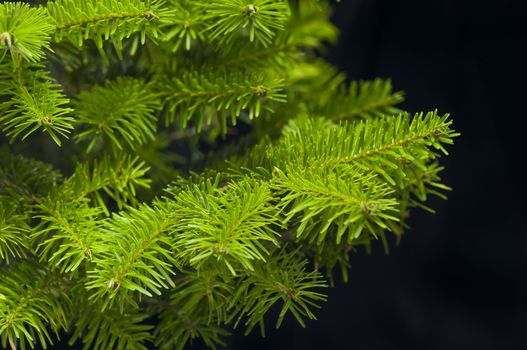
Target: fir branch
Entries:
(258, 17)
(79, 20)
(32, 100)
(176, 330)
(14, 230)
(205, 292)
(351, 202)
(186, 25)
(376, 144)
(32, 303)
(134, 256)
(226, 226)
(65, 232)
(284, 278)
(25, 180)
(121, 110)
(117, 178)
(24, 32)
(208, 95)
(111, 329)
(363, 99)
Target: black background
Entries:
(456, 281)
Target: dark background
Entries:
(456, 281)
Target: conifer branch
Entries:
(65, 233)
(14, 232)
(24, 32)
(213, 95)
(79, 20)
(24, 180)
(258, 17)
(117, 178)
(121, 110)
(32, 300)
(226, 226)
(134, 256)
(351, 202)
(363, 99)
(306, 179)
(283, 279)
(31, 100)
(111, 329)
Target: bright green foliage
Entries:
(133, 256)
(258, 18)
(79, 20)
(200, 165)
(31, 100)
(121, 110)
(198, 94)
(282, 279)
(227, 226)
(33, 305)
(24, 32)
(13, 232)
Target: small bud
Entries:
(113, 284)
(250, 10)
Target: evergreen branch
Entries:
(25, 180)
(307, 28)
(176, 329)
(206, 292)
(429, 129)
(201, 96)
(32, 302)
(226, 226)
(121, 110)
(259, 18)
(281, 279)
(24, 32)
(186, 24)
(209, 95)
(374, 144)
(32, 100)
(111, 329)
(13, 232)
(134, 256)
(117, 178)
(65, 233)
(351, 202)
(79, 20)
(363, 99)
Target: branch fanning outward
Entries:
(284, 278)
(14, 232)
(24, 32)
(134, 256)
(351, 176)
(257, 18)
(363, 99)
(225, 226)
(32, 301)
(79, 20)
(31, 100)
(111, 329)
(117, 178)
(121, 110)
(208, 95)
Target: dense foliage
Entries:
(172, 169)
